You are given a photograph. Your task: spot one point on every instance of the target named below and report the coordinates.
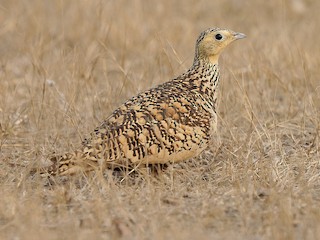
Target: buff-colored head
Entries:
(211, 43)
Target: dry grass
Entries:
(66, 64)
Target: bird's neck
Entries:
(203, 78)
(202, 57)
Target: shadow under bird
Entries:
(171, 122)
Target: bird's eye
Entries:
(218, 36)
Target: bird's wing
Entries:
(153, 127)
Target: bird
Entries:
(169, 123)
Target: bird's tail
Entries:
(68, 164)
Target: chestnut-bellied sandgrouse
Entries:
(171, 122)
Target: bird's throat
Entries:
(214, 59)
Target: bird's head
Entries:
(212, 41)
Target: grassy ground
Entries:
(65, 65)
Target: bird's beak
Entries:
(239, 36)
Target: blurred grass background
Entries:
(65, 65)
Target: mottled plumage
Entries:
(169, 123)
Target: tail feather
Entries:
(68, 164)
